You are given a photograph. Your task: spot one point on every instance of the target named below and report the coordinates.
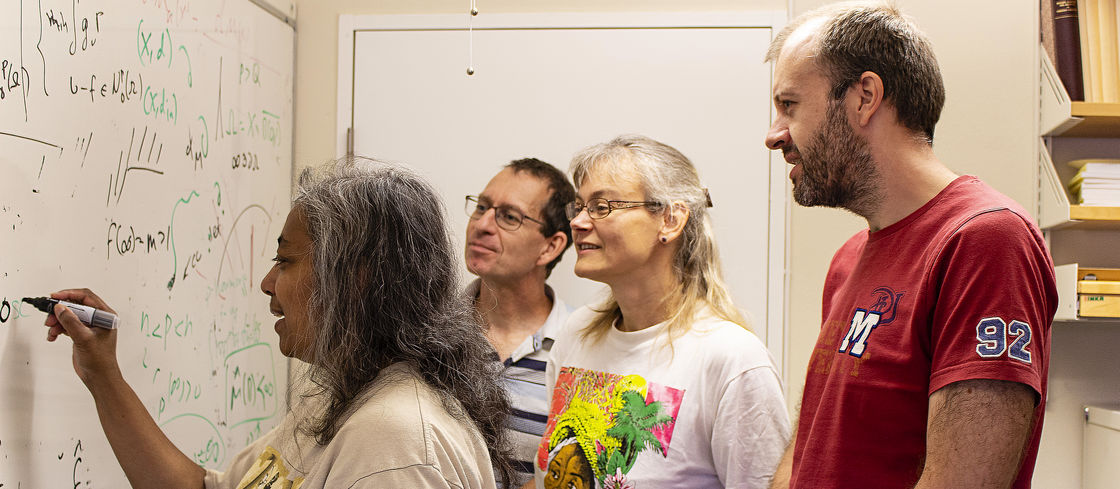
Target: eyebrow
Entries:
(602, 194)
(494, 204)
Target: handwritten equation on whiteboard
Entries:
(145, 152)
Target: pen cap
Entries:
(104, 320)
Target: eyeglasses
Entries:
(507, 218)
(600, 208)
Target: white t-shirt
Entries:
(400, 437)
(707, 411)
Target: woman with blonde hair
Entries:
(662, 385)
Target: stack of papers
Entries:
(1097, 182)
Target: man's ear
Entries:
(869, 92)
(553, 247)
(674, 219)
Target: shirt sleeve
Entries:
(565, 338)
(751, 430)
(238, 468)
(551, 371)
(996, 299)
(214, 480)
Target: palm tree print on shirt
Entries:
(612, 419)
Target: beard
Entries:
(837, 169)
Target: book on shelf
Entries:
(1063, 43)
(1097, 182)
(1110, 62)
(1094, 25)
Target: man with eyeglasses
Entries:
(516, 234)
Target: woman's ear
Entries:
(674, 219)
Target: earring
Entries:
(664, 239)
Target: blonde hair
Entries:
(666, 176)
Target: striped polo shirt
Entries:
(523, 373)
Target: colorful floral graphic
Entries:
(600, 423)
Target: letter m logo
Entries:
(856, 340)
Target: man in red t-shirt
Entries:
(930, 368)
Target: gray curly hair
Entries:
(386, 291)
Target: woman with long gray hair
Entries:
(365, 288)
(663, 384)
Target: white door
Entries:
(548, 85)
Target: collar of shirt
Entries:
(544, 336)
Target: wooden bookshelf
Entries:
(1098, 120)
(1092, 217)
(1055, 211)
(1059, 117)
(1089, 217)
(1095, 213)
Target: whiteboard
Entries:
(547, 85)
(145, 149)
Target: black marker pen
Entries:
(88, 315)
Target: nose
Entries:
(582, 221)
(268, 283)
(778, 136)
(486, 223)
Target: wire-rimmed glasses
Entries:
(600, 208)
(506, 217)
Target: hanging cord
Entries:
(470, 36)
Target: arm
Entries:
(148, 458)
(994, 270)
(976, 433)
(784, 470)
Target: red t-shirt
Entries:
(963, 288)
